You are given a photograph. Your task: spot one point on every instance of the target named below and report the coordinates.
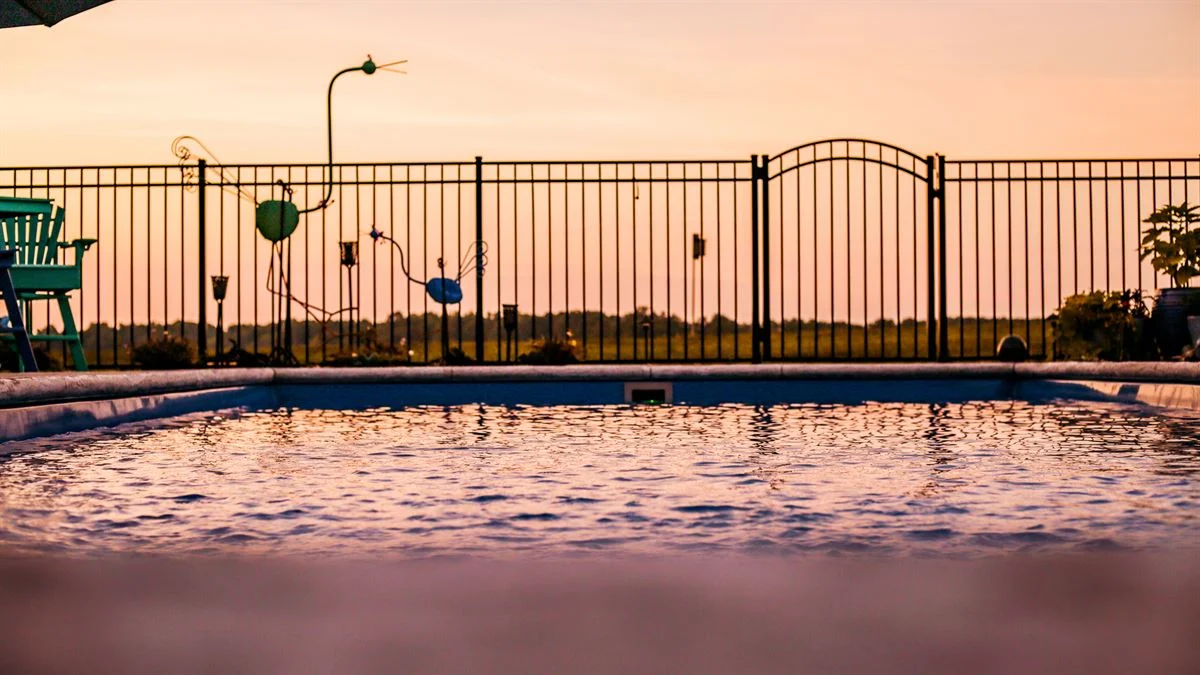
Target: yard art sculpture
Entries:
(442, 289)
(277, 219)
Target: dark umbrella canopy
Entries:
(41, 12)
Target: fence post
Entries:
(202, 326)
(930, 262)
(766, 258)
(943, 312)
(478, 258)
(755, 342)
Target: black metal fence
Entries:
(838, 250)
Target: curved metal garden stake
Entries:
(276, 219)
(369, 68)
(443, 289)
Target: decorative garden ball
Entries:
(1012, 348)
(276, 220)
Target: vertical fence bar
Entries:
(766, 257)
(479, 258)
(816, 281)
(617, 249)
(201, 263)
(583, 233)
(550, 253)
(1042, 250)
(1025, 237)
(962, 284)
(756, 180)
(287, 302)
(720, 286)
(943, 312)
(931, 277)
(600, 254)
(866, 266)
(702, 306)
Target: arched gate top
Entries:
(843, 149)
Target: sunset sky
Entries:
(602, 79)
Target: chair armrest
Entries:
(80, 246)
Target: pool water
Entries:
(962, 479)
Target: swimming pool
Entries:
(322, 471)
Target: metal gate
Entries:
(847, 252)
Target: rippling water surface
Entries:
(958, 479)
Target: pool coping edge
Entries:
(50, 388)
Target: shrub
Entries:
(371, 352)
(241, 358)
(550, 353)
(165, 353)
(456, 357)
(1102, 326)
(46, 360)
(357, 359)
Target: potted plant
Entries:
(1172, 243)
(1193, 320)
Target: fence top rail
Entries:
(94, 167)
(1093, 178)
(610, 162)
(606, 162)
(311, 165)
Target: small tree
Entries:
(1172, 242)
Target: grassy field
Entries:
(968, 339)
(417, 339)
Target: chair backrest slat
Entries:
(49, 237)
(24, 226)
(38, 249)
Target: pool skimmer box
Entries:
(649, 392)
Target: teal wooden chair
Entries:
(32, 227)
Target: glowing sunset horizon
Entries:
(591, 80)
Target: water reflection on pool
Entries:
(959, 479)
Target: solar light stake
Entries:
(698, 246)
(220, 284)
(646, 339)
(349, 255)
(510, 325)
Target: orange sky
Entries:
(602, 80)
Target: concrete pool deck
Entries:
(1099, 613)
(33, 405)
